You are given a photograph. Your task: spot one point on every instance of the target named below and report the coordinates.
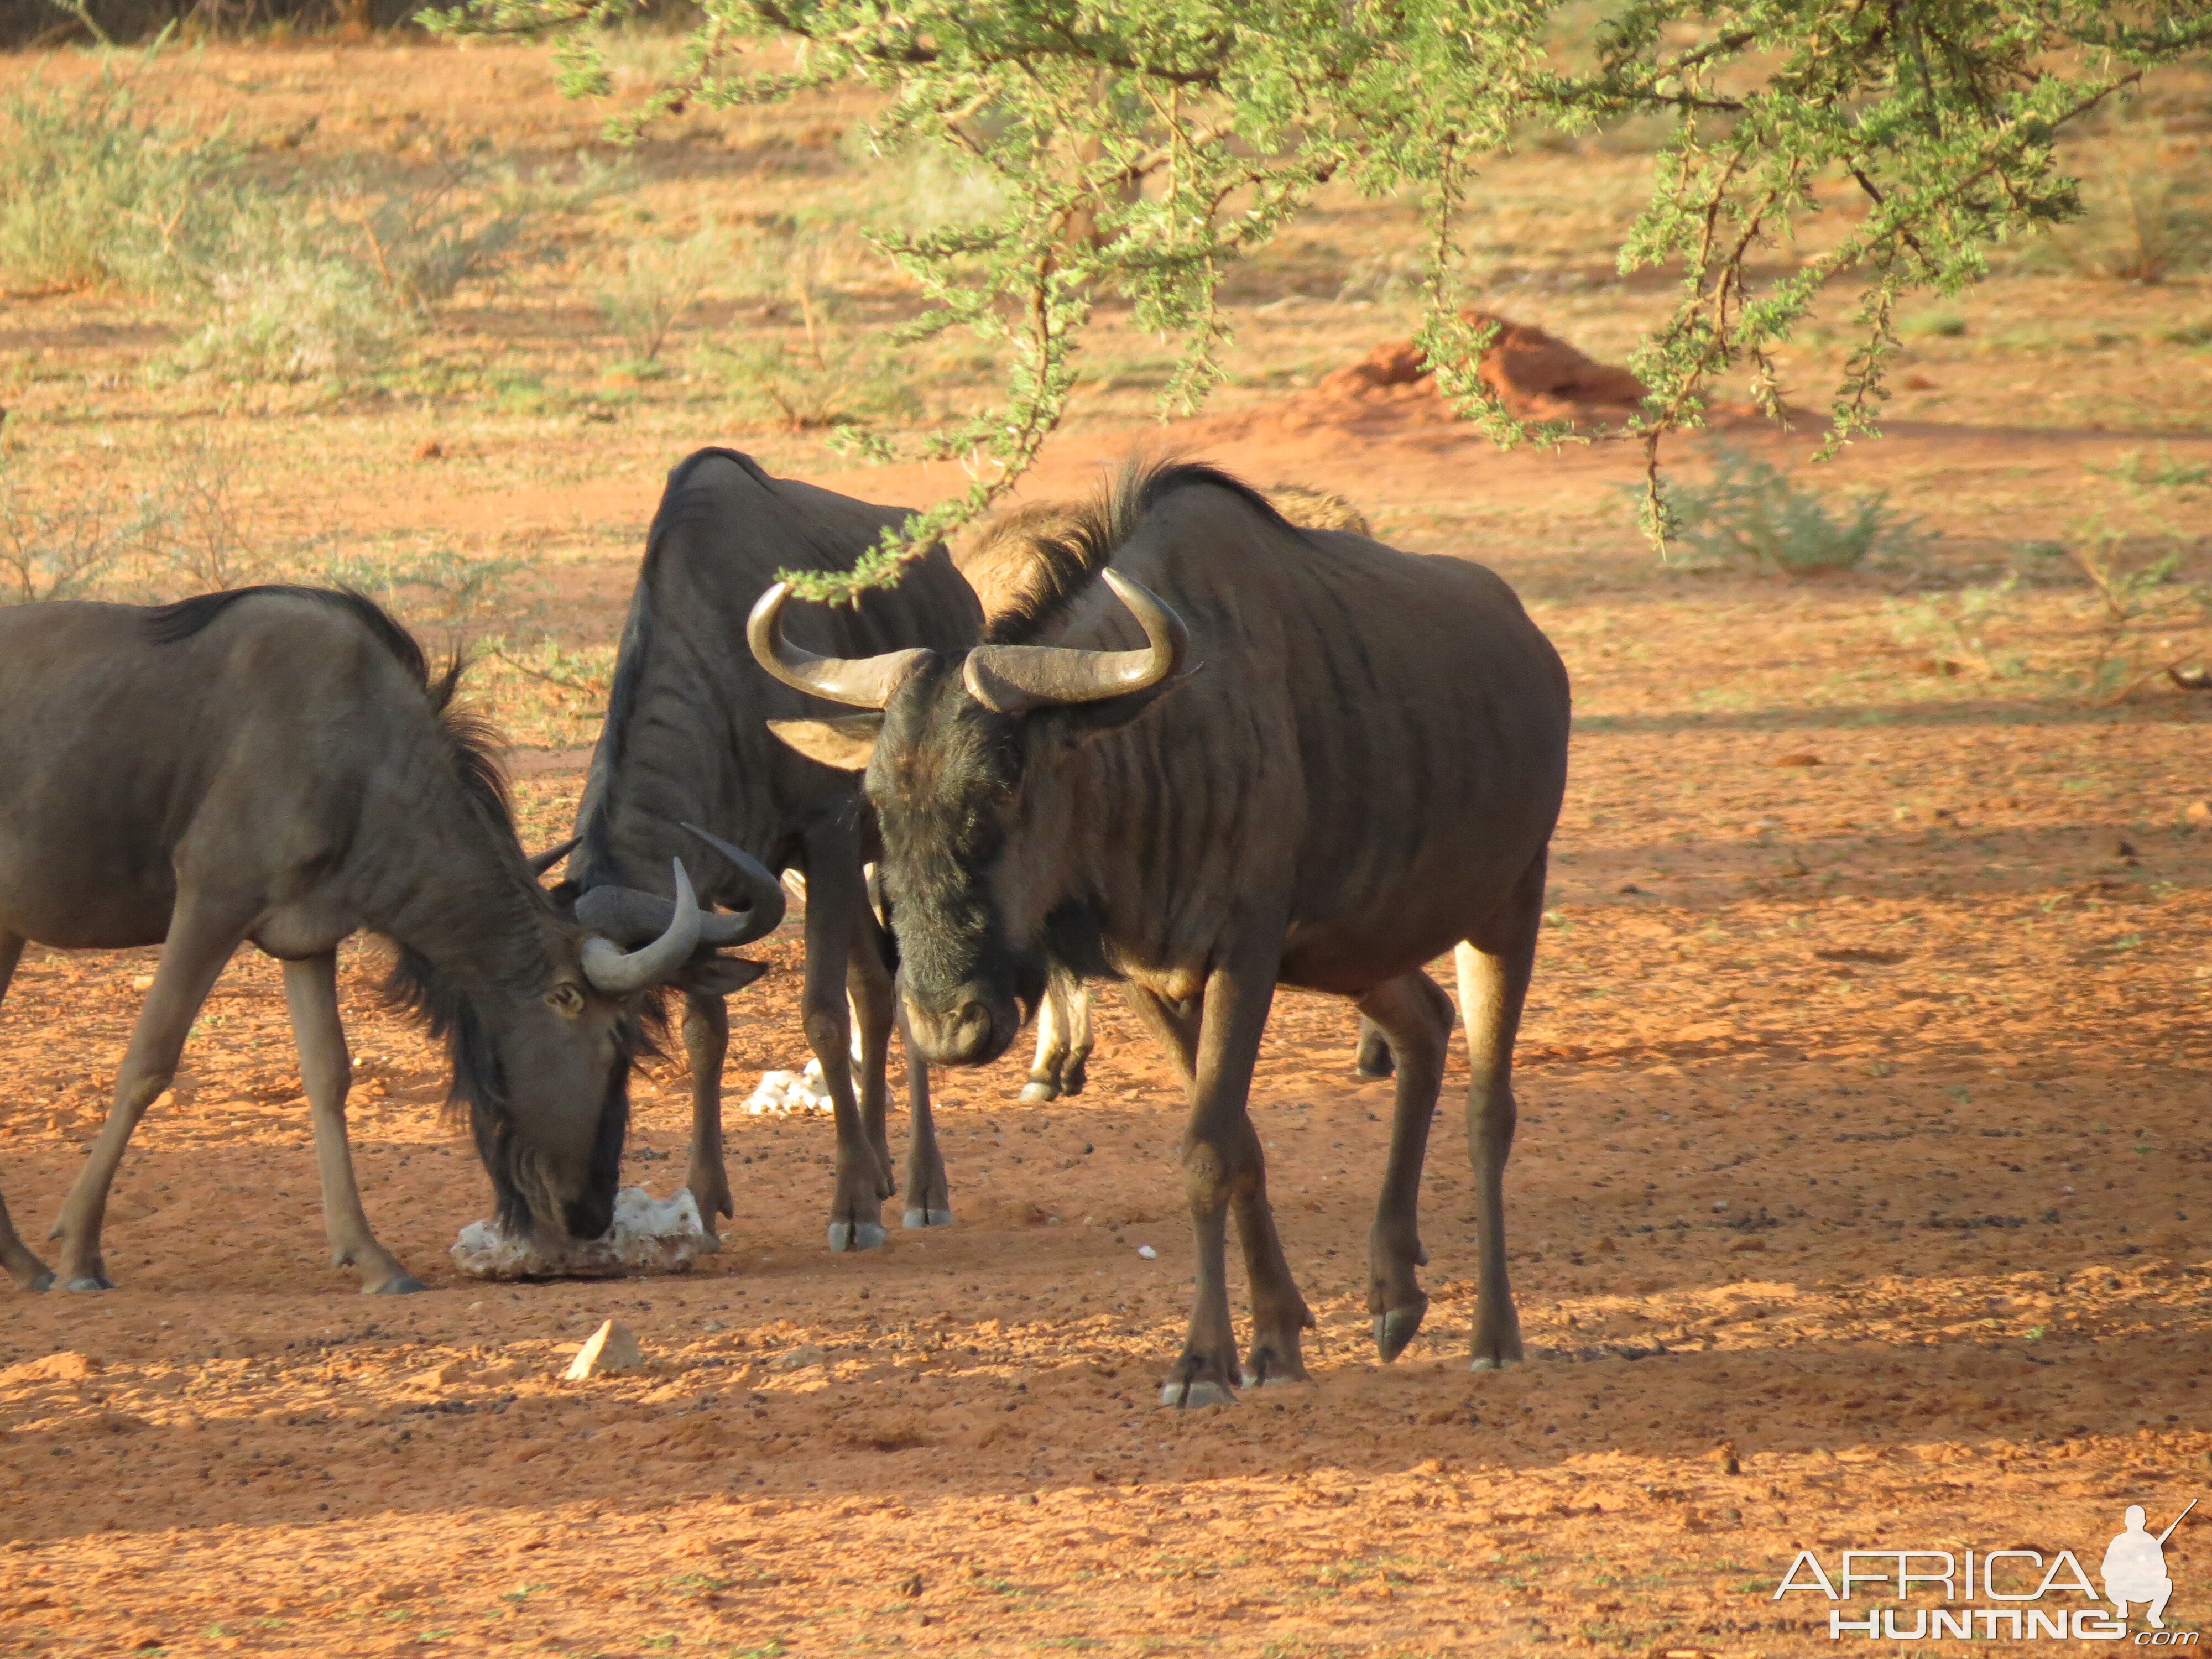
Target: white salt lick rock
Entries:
(648, 1234)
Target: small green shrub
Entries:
(1955, 629)
(291, 313)
(72, 547)
(94, 193)
(831, 377)
(1941, 323)
(441, 585)
(659, 280)
(1752, 509)
(2146, 216)
(477, 217)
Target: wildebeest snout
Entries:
(590, 1216)
(973, 1029)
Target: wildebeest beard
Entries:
(943, 834)
(478, 1087)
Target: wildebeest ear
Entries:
(846, 743)
(718, 975)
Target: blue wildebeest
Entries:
(1366, 774)
(686, 742)
(275, 765)
(1009, 563)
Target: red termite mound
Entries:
(1536, 375)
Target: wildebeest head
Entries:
(947, 748)
(541, 1065)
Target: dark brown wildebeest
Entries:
(1366, 774)
(275, 765)
(686, 741)
(1011, 563)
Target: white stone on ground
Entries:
(613, 1347)
(648, 1234)
(785, 1094)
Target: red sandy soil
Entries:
(1889, 989)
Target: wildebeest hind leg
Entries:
(1052, 1024)
(928, 1194)
(202, 935)
(311, 990)
(22, 1267)
(834, 896)
(1078, 1060)
(707, 1046)
(1493, 983)
(1223, 1166)
(1415, 1016)
(1372, 1056)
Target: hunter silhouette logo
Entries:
(2135, 1566)
(2028, 1592)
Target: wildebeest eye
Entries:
(566, 999)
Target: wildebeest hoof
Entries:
(710, 1242)
(856, 1235)
(1485, 1362)
(1034, 1092)
(1269, 1380)
(929, 1218)
(41, 1281)
(89, 1282)
(398, 1284)
(1395, 1329)
(1185, 1395)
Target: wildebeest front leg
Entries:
(201, 938)
(311, 990)
(1224, 1168)
(1493, 983)
(834, 897)
(1415, 1016)
(707, 1046)
(869, 993)
(928, 1194)
(15, 1256)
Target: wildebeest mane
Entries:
(1069, 557)
(473, 744)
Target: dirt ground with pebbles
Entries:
(1861, 1198)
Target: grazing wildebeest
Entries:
(686, 740)
(1011, 563)
(275, 765)
(1366, 774)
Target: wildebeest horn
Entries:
(630, 917)
(541, 862)
(765, 899)
(860, 682)
(617, 971)
(1013, 679)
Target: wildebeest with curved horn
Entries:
(1011, 561)
(275, 765)
(1365, 774)
(686, 741)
